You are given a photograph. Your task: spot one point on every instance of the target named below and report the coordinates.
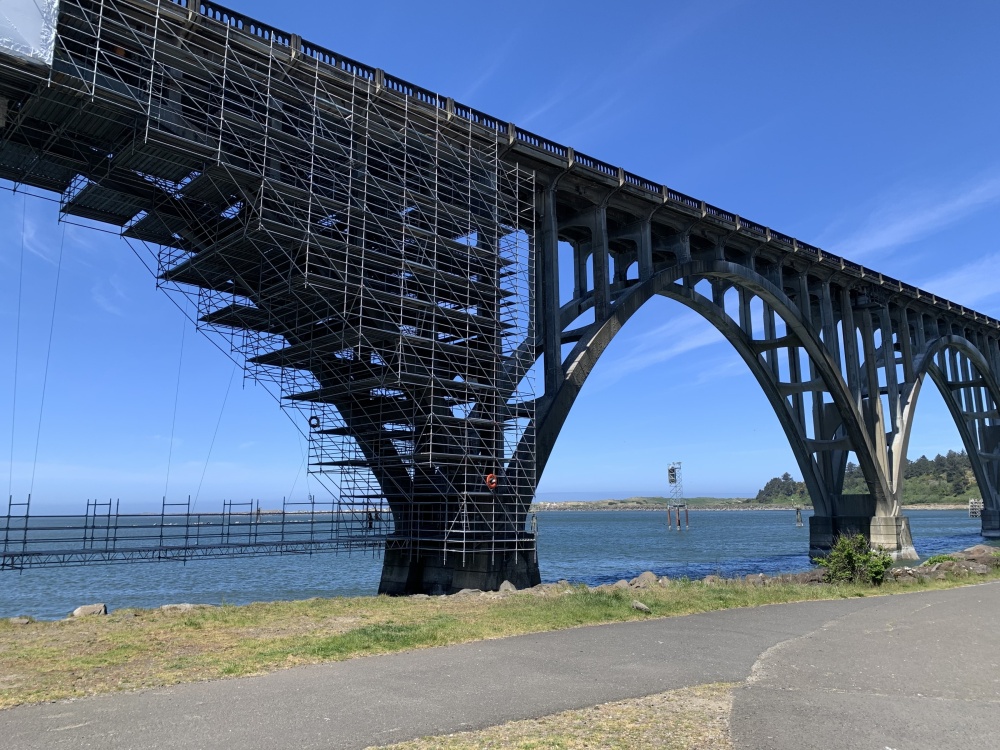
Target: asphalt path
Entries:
(903, 672)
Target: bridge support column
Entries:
(991, 523)
(893, 534)
(408, 571)
(855, 514)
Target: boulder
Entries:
(981, 549)
(19, 620)
(465, 592)
(979, 570)
(640, 607)
(711, 580)
(622, 584)
(982, 554)
(644, 580)
(90, 609)
(664, 581)
(507, 586)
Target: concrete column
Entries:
(746, 323)
(795, 376)
(599, 248)
(645, 249)
(893, 534)
(876, 424)
(771, 355)
(889, 360)
(547, 291)
(906, 345)
(852, 366)
(829, 324)
(580, 283)
(795, 364)
(991, 523)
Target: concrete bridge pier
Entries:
(991, 523)
(855, 514)
(408, 571)
(893, 534)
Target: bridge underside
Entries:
(365, 256)
(387, 261)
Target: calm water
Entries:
(589, 546)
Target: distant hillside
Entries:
(942, 479)
(644, 503)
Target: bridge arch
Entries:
(971, 393)
(844, 430)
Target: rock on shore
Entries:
(90, 609)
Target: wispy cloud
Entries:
(495, 65)
(40, 244)
(908, 216)
(108, 294)
(679, 335)
(969, 284)
(730, 368)
(663, 35)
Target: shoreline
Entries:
(130, 649)
(621, 505)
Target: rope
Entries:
(177, 395)
(48, 357)
(216, 433)
(291, 492)
(17, 347)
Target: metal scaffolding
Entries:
(360, 248)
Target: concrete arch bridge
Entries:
(841, 352)
(388, 260)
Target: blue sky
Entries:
(867, 129)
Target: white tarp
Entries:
(28, 29)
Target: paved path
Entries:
(900, 672)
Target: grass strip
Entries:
(695, 718)
(132, 649)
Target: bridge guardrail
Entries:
(684, 200)
(643, 184)
(596, 164)
(720, 214)
(540, 143)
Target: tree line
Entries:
(942, 478)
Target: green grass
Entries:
(53, 660)
(938, 559)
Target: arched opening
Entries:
(666, 390)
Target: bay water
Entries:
(590, 547)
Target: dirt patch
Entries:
(695, 718)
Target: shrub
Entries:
(852, 560)
(934, 559)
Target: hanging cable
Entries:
(215, 434)
(291, 493)
(17, 347)
(48, 357)
(177, 395)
